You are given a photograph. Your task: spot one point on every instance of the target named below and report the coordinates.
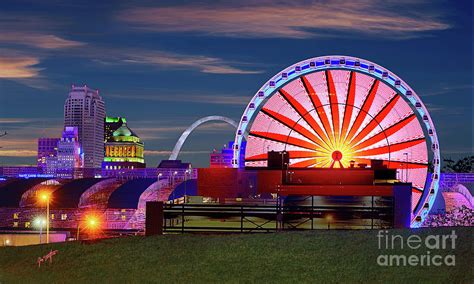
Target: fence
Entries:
(235, 218)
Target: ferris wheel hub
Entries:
(336, 155)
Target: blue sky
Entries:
(164, 65)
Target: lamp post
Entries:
(91, 223)
(45, 197)
(40, 222)
(185, 179)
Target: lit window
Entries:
(27, 224)
(63, 217)
(15, 215)
(52, 216)
(124, 218)
(123, 210)
(15, 224)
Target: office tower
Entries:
(85, 109)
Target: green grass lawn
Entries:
(311, 256)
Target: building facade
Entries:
(85, 109)
(222, 159)
(123, 150)
(47, 147)
(69, 154)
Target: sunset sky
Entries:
(163, 65)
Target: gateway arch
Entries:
(197, 123)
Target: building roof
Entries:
(11, 192)
(128, 194)
(124, 130)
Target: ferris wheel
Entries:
(338, 112)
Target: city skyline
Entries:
(163, 74)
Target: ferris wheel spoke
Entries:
(304, 164)
(364, 110)
(407, 165)
(292, 155)
(349, 105)
(385, 133)
(318, 106)
(293, 125)
(417, 189)
(284, 139)
(393, 164)
(334, 106)
(303, 113)
(376, 120)
(305, 154)
(390, 148)
(256, 158)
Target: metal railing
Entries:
(183, 218)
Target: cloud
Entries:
(289, 20)
(19, 66)
(447, 110)
(160, 58)
(449, 89)
(13, 120)
(216, 99)
(45, 41)
(33, 31)
(167, 153)
(18, 153)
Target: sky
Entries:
(163, 65)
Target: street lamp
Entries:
(45, 197)
(40, 222)
(185, 179)
(91, 223)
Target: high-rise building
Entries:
(47, 147)
(85, 109)
(123, 150)
(69, 153)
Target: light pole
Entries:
(40, 222)
(185, 178)
(46, 197)
(173, 184)
(91, 223)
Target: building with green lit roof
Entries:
(123, 147)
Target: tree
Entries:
(465, 165)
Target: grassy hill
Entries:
(312, 256)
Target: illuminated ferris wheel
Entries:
(337, 112)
